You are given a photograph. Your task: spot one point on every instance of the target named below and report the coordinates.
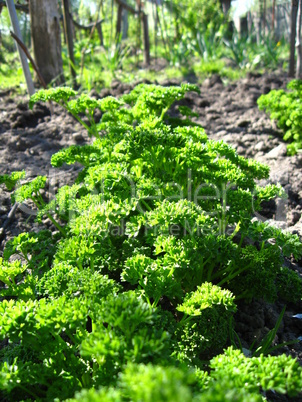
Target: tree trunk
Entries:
(299, 45)
(291, 72)
(46, 39)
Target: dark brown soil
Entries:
(227, 112)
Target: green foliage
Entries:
(200, 16)
(153, 277)
(85, 155)
(289, 243)
(126, 330)
(115, 57)
(9, 271)
(31, 190)
(52, 331)
(165, 384)
(207, 320)
(70, 281)
(37, 249)
(59, 95)
(248, 53)
(102, 395)
(156, 383)
(239, 49)
(136, 291)
(188, 41)
(279, 373)
(11, 180)
(205, 297)
(262, 269)
(285, 108)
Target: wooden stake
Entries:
(273, 15)
(291, 71)
(69, 39)
(146, 39)
(25, 67)
(119, 21)
(264, 17)
(299, 44)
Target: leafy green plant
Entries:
(8, 271)
(154, 245)
(131, 331)
(285, 108)
(32, 191)
(208, 43)
(239, 48)
(251, 373)
(233, 378)
(206, 322)
(51, 330)
(270, 54)
(11, 180)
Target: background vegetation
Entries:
(193, 44)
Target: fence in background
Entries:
(253, 22)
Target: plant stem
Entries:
(29, 392)
(234, 274)
(59, 227)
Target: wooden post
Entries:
(155, 15)
(299, 45)
(264, 17)
(100, 33)
(273, 16)
(260, 22)
(291, 71)
(146, 39)
(15, 23)
(119, 21)
(69, 39)
(125, 23)
(139, 26)
(249, 22)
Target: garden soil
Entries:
(228, 112)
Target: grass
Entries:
(11, 74)
(205, 69)
(95, 76)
